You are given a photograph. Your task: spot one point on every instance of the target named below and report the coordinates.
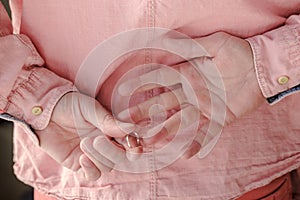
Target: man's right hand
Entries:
(78, 117)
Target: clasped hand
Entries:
(222, 85)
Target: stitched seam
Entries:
(15, 93)
(259, 69)
(288, 43)
(294, 50)
(148, 59)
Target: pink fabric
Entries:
(23, 80)
(251, 152)
(279, 189)
(281, 62)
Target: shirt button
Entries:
(37, 110)
(283, 80)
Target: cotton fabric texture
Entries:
(52, 38)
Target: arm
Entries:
(34, 95)
(21, 78)
(271, 73)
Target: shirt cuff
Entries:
(276, 60)
(34, 96)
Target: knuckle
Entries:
(107, 121)
(107, 118)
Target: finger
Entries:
(171, 127)
(179, 121)
(198, 141)
(132, 146)
(206, 83)
(212, 44)
(91, 172)
(71, 161)
(205, 139)
(115, 154)
(134, 153)
(98, 116)
(167, 101)
(164, 76)
(193, 149)
(101, 162)
(157, 136)
(108, 150)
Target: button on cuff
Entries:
(37, 110)
(282, 80)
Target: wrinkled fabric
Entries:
(250, 153)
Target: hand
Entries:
(224, 83)
(76, 117)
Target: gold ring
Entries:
(132, 134)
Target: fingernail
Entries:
(124, 115)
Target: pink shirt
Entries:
(250, 153)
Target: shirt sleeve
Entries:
(28, 91)
(277, 58)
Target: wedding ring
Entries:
(133, 135)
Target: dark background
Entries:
(10, 187)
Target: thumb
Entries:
(93, 112)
